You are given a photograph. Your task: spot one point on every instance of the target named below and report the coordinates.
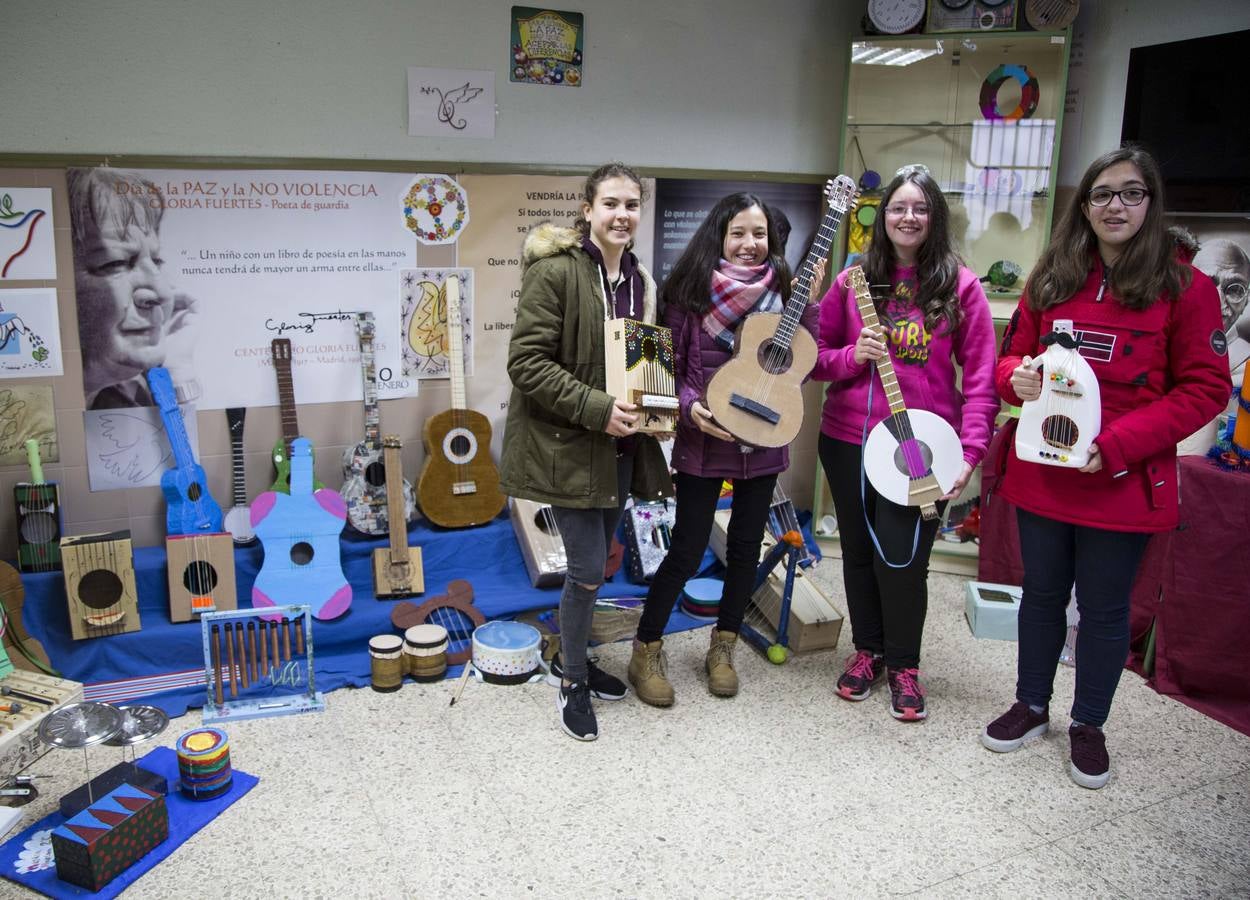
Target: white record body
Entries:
(883, 468)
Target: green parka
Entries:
(554, 447)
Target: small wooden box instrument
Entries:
(201, 574)
(540, 541)
(100, 584)
(1058, 427)
(638, 362)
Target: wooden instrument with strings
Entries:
(1058, 427)
(366, 484)
(38, 506)
(238, 520)
(540, 541)
(24, 651)
(912, 456)
(397, 569)
(201, 574)
(638, 364)
(459, 484)
(454, 611)
(100, 584)
(280, 352)
(757, 395)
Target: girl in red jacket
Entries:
(1149, 326)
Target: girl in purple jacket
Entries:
(733, 266)
(934, 317)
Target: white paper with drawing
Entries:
(30, 333)
(451, 102)
(237, 259)
(127, 448)
(27, 250)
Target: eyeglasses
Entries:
(1128, 196)
(920, 212)
(1234, 290)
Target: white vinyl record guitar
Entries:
(1058, 427)
(912, 456)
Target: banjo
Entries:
(912, 456)
(1058, 427)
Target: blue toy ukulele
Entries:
(300, 534)
(190, 509)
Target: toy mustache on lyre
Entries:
(1058, 427)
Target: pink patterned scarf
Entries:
(736, 291)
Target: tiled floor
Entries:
(783, 791)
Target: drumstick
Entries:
(285, 627)
(217, 662)
(299, 638)
(238, 630)
(234, 682)
(251, 649)
(464, 678)
(273, 639)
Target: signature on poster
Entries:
(133, 447)
(447, 100)
(309, 326)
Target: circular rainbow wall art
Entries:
(436, 209)
(1030, 93)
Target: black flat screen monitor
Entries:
(1187, 102)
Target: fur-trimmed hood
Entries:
(547, 239)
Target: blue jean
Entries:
(1102, 564)
(587, 536)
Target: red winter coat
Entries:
(1167, 376)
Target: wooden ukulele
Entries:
(38, 505)
(396, 569)
(912, 456)
(280, 350)
(757, 395)
(189, 507)
(459, 484)
(300, 533)
(238, 518)
(365, 477)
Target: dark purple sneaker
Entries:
(862, 671)
(1090, 768)
(906, 695)
(1013, 728)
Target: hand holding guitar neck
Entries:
(1026, 380)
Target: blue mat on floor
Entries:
(27, 858)
(163, 663)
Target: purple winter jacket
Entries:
(696, 357)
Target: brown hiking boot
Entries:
(722, 680)
(647, 673)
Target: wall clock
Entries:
(895, 16)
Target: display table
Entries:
(163, 664)
(1193, 590)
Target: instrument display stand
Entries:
(287, 687)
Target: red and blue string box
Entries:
(98, 844)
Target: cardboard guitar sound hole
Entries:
(772, 360)
(38, 527)
(460, 445)
(301, 553)
(199, 578)
(100, 589)
(375, 474)
(194, 492)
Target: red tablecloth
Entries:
(1194, 587)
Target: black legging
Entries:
(887, 605)
(696, 506)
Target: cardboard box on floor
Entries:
(814, 622)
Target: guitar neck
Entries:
(802, 293)
(286, 399)
(397, 521)
(238, 487)
(176, 431)
(455, 343)
(885, 365)
(369, 379)
(32, 457)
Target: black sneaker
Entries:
(906, 695)
(1090, 767)
(602, 685)
(862, 671)
(577, 718)
(1014, 727)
